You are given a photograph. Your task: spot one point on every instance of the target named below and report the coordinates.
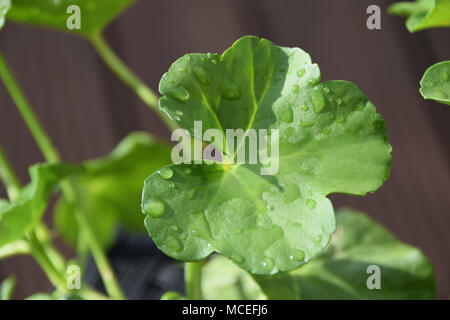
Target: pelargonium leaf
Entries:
(341, 271)
(232, 284)
(331, 140)
(110, 188)
(95, 14)
(423, 14)
(435, 83)
(5, 5)
(20, 216)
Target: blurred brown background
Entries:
(87, 110)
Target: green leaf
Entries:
(41, 296)
(95, 15)
(20, 216)
(172, 295)
(5, 5)
(331, 140)
(7, 288)
(341, 271)
(423, 14)
(110, 188)
(232, 284)
(435, 83)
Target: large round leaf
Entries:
(331, 140)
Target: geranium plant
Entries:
(272, 236)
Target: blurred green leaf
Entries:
(423, 14)
(172, 295)
(5, 5)
(7, 288)
(95, 14)
(110, 189)
(24, 213)
(435, 83)
(223, 280)
(341, 271)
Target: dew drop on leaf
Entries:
(187, 170)
(319, 238)
(237, 258)
(298, 255)
(155, 208)
(166, 173)
(203, 76)
(173, 243)
(231, 91)
(318, 101)
(268, 263)
(311, 203)
(180, 94)
(286, 115)
(326, 90)
(295, 89)
(301, 72)
(305, 107)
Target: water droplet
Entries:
(319, 238)
(339, 101)
(180, 94)
(326, 90)
(305, 107)
(295, 89)
(318, 101)
(237, 258)
(444, 76)
(286, 115)
(311, 203)
(187, 170)
(304, 124)
(230, 91)
(203, 76)
(166, 173)
(268, 263)
(301, 72)
(298, 255)
(173, 243)
(172, 185)
(155, 208)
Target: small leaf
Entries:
(435, 83)
(232, 284)
(172, 295)
(423, 14)
(5, 5)
(20, 216)
(341, 271)
(110, 188)
(94, 14)
(338, 143)
(7, 288)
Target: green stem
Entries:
(193, 280)
(27, 113)
(52, 156)
(128, 77)
(39, 255)
(8, 177)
